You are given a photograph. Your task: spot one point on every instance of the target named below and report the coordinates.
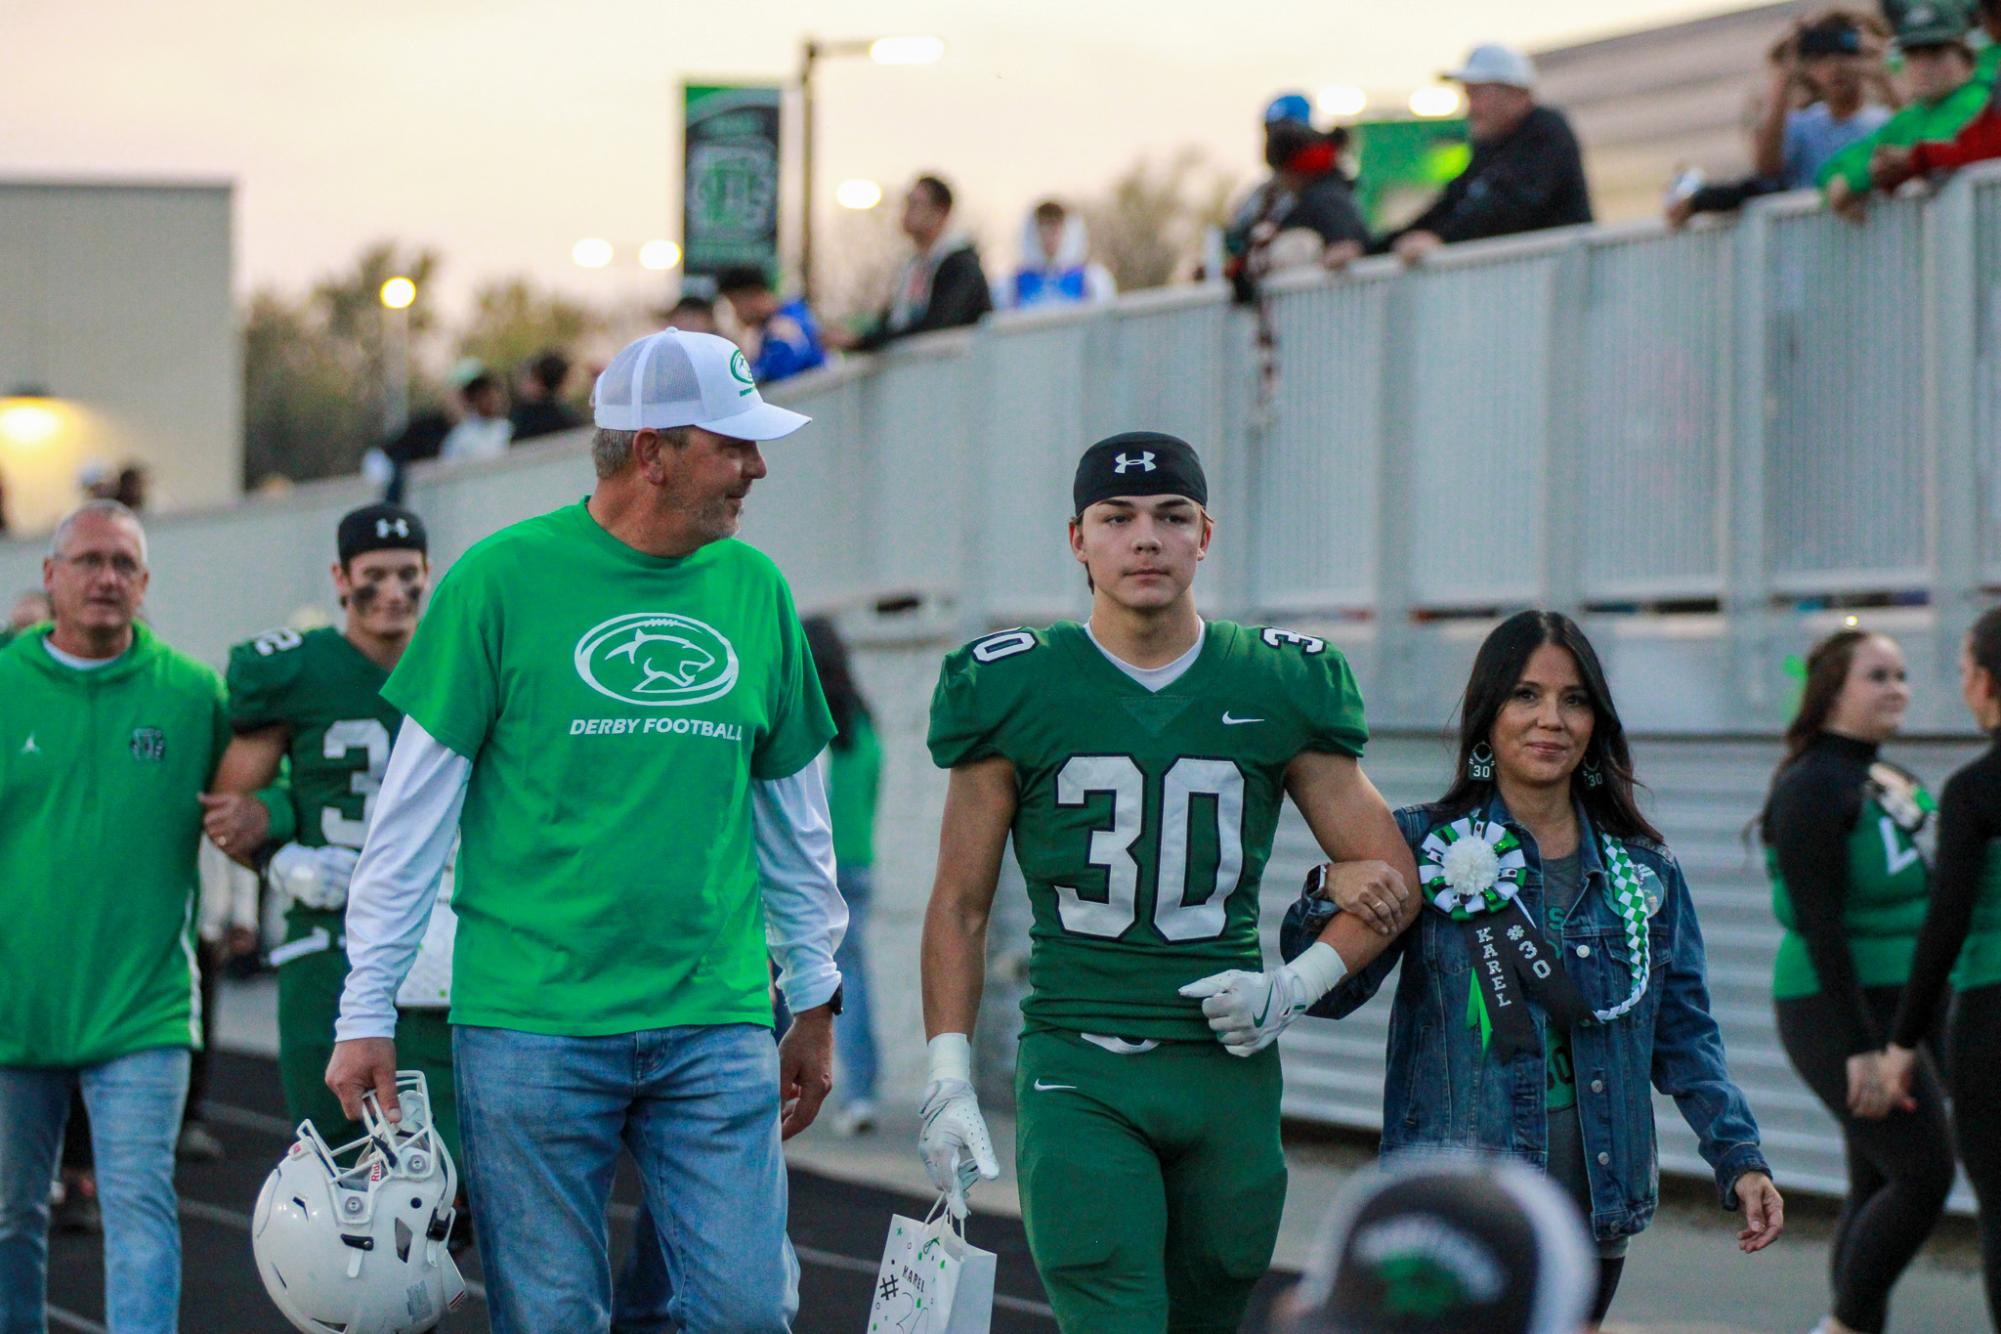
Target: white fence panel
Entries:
(1316, 489)
(1987, 371)
(1655, 393)
(1479, 362)
(1846, 450)
(1037, 374)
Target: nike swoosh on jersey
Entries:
(1041, 1087)
(1228, 721)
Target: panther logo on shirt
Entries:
(657, 659)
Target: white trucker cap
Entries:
(673, 378)
(1492, 62)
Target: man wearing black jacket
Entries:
(1526, 173)
(940, 287)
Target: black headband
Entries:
(1138, 463)
(380, 528)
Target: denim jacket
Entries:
(1442, 1093)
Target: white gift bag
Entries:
(932, 1280)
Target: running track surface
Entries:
(837, 1228)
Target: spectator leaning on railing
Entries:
(1526, 173)
(1828, 91)
(1977, 141)
(1939, 69)
(941, 286)
(788, 337)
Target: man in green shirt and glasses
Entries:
(107, 737)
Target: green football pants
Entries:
(1151, 1184)
(310, 977)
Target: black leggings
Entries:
(1608, 1287)
(1899, 1169)
(1974, 1053)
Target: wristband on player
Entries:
(1319, 970)
(951, 1057)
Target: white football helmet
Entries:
(357, 1245)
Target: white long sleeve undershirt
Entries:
(410, 839)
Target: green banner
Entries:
(729, 178)
(1404, 164)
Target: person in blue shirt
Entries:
(788, 336)
(1056, 268)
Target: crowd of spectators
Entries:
(1525, 172)
(1860, 105)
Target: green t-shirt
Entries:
(1144, 820)
(1980, 957)
(1562, 886)
(616, 707)
(854, 773)
(100, 771)
(1889, 886)
(1913, 123)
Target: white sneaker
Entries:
(857, 1118)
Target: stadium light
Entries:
(398, 293)
(906, 50)
(29, 417)
(881, 50)
(858, 194)
(592, 252)
(659, 256)
(1436, 102)
(1341, 99)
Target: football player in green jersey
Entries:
(1139, 761)
(314, 699)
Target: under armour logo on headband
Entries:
(1125, 461)
(384, 527)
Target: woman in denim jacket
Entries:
(1546, 783)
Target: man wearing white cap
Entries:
(615, 705)
(1525, 174)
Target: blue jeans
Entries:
(854, 1040)
(542, 1119)
(135, 1107)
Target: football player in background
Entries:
(314, 698)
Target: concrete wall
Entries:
(116, 299)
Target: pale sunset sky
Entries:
(501, 131)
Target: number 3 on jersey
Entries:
(1179, 912)
(370, 736)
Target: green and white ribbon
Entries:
(1472, 866)
(1629, 895)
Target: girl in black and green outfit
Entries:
(1850, 888)
(1961, 945)
(854, 776)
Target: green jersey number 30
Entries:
(1175, 916)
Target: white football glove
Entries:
(313, 877)
(1248, 1011)
(953, 1140)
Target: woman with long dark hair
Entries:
(854, 776)
(1960, 946)
(1850, 886)
(1558, 974)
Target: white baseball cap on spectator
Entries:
(1491, 62)
(672, 378)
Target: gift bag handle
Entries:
(942, 1219)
